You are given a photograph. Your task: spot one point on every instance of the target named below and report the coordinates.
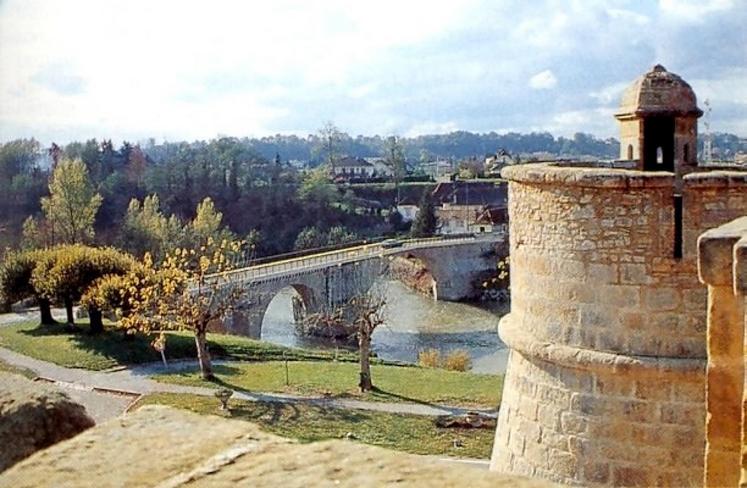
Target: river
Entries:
(413, 323)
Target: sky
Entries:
(188, 70)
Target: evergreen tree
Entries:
(426, 223)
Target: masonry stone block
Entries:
(611, 344)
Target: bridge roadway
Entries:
(329, 278)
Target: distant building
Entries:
(350, 168)
(437, 169)
(408, 210)
(461, 206)
(496, 162)
(493, 219)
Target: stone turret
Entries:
(659, 122)
(605, 378)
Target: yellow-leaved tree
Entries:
(72, 203)
(187, 291)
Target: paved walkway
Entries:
(136, 381)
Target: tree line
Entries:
(141, 202)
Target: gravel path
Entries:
(136, 380)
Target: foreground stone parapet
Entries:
(33, 417)
(605, 380)
(723, 268)
(160, 446)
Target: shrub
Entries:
(429, 358)
(64, 273)
(16, 284)
(458, 360)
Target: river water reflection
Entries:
(414, 323)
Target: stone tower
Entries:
(605, 378)
(659, 122)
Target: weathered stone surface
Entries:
(607, 326)
(412, 273)
(34, 416)
(719, 267)
(159, 446)
(715, 252)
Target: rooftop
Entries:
(658, 92)
(351, 162)
(460, 192)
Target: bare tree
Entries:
(358, 317)
(368, 312)
(394, 158)
(330, 144)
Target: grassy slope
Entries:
(394, 383)
(113, 348)
(411, 433)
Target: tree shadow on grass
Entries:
(115, 345)
(43, 330)
(281, 413)
(380, 393)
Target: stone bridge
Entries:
(328, 279)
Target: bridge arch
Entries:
(303, 300)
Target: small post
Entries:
(287, 375)
(223, 395)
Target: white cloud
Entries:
(610, 94)
(155, 67)
(694, 10)
(432, 128)
(597, 120)
(192, 69)
(623, 15)
(363, 90)
(544, 80)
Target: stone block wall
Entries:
(599, 427)
(722, 265)
(605, 379)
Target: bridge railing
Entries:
(331, 257)
(347, 254)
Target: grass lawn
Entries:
(394, 383)
(411, 433)
(78, 349)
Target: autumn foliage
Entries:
(187, 291)
(61, 274)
